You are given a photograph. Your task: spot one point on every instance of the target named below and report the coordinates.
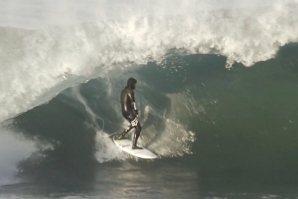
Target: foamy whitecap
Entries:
(39, 63)
(13, 149)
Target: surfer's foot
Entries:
(136, 147)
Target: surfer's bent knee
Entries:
(138, 128)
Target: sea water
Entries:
(216, 92)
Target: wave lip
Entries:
(38, 64)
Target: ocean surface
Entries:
(217, 93)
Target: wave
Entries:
(13, 148)
(86, 115)
(38, 64)
(60, 82)
(225, 120)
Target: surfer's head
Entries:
(131, 83)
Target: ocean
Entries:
(217, 96)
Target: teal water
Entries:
(217, 95)
(237, 126)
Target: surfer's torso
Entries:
(127, 100)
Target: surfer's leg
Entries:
(136, 136)
(122, 135)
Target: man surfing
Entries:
(130, 112)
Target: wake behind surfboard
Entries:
(126, 145)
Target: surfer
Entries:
(130, 112)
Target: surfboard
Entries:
(126, 145)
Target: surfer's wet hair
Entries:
(131, 82)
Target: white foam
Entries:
(106, 149)
(38, 64)
(13, 149)
(172, 140)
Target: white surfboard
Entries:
(126, 145)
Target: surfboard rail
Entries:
(126, 146)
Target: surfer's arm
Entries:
(134, 104)
(135, 109)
